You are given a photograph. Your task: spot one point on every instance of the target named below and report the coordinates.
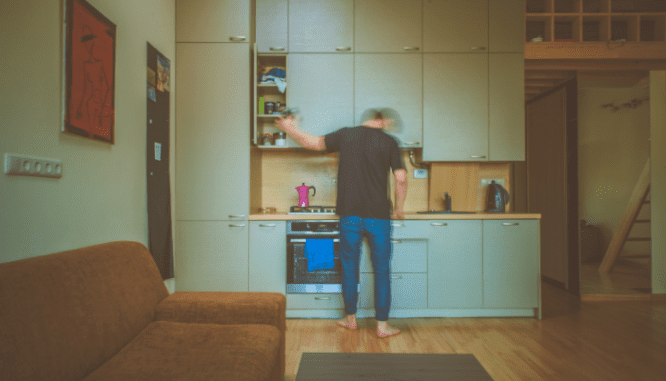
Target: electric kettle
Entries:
(303, 193)
(498, 197)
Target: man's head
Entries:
(385, 118)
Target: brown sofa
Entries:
(103, 313)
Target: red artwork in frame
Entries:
(90, 59)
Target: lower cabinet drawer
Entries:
(408, 255)
(314, 301)
(407, 290)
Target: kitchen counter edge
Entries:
(408, 216)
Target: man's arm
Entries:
(400, 193)
(306, 140)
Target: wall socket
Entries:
(32, 166)
(486, 182)
(420, 173)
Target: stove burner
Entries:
(312, 210)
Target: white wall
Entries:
(658, 179)
(102, 195)
(613, 147)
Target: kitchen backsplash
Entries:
(282, 171)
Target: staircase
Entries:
(637, 200)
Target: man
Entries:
(367, 154)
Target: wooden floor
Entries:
(574, 340)
(626, 277)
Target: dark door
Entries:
(552, 181)
(157, 162)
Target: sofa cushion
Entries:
(63, 315)
(183, 351)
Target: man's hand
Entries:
(306, 140)
(398, 214)
(287, 124)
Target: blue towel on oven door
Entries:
(319, 254)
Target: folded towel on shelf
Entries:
(277, 76)
(319, 254)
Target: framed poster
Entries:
(90, 66)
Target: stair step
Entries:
(639, 239)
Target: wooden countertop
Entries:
(408, 216)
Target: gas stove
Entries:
(312, 210)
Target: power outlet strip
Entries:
(32, 166)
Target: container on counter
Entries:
(280, 138)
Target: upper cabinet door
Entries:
(272, 26)
(387, 26)
(322, 87)
(455, 25)
(395, 81)
(321, 26)
(213, 148)
(455, 112)
(212, 20)
(506, 26)
(506, 126)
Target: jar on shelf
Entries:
(267, 139)
(280, 138)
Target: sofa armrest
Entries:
(224, 308)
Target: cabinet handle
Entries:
(276, 49)
(267, 225)
(322, 298)
(236, 216)
(510, 224)
(236, 225)
(343, 49)
(237, 38)
(478, 156)
(411, 143)
(397, 225)
(411, 48)
(439, 224)
(396, 241)
(477, 48)
(396, 276)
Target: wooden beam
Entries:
(613, 75)
(594, 50)
(548, 74)
(594, 65)
(540, 83)
(622, 231)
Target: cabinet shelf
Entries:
(266, 92)
(595, 21)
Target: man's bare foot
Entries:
(348, 322)
(384, 330)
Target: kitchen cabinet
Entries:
(315, 301)
(409, 267)
(321, 26)
(511, 264)
(272, 26)
(387, 26)
(455, 111)
(506, 26)
(506, 123)
(211, 256)
(455, 26)
(322, 87)
(212, 21)
(213, 151)
(267, 260)
(395, 81)
(455, 272)
(264, 92)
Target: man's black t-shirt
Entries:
(366, 156)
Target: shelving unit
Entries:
(269, 92)
(595, 21)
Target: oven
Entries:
(299, 279)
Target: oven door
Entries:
(300, 280)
